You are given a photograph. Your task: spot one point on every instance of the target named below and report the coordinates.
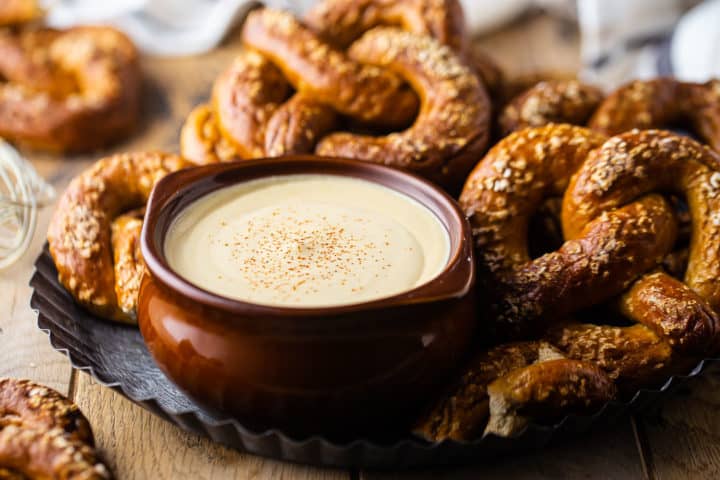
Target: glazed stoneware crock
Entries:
(352, 368)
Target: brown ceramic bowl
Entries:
(355, 368)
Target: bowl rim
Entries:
(177, 190)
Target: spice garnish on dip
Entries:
(307, 240)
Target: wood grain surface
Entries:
(679, 440)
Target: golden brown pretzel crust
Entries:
(503, 192)
(201, 141)
(554, 101)
(44, 435)
(633, 356)
(127, 258)
(364, 92)
(638, 162)
(75, 90)
(662, 103)
(29, 405)
(550, 389)
(80, 230)
(451, 130)
(36, 454)
(341, 22)
(14, 12)
(254, 111)
(462, 412)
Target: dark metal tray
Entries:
(116, 357)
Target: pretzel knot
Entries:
(44, 435)
(618, 227)
(69, 90)
(644, 104)
(295, 85)
(93, 235)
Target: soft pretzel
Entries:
(548, 389)
(662, 103)
(201, 140)
(636, 163)
(364, 92)
(554, 101)
(503, 192)
(76, 89)
(29, 405)
(616, 230)
(341, 22)
(80, 230)
(462, 413)
(499, 388)
(256, 112)
(127, 258)
(633, 356)
(452, 127)
(253, 114)
(14, 12)
(36, 454)
(44, 435)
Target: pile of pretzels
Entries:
(64, 90)
(597, 232)
(44, 435)
(338, 81)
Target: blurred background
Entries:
(618, 39)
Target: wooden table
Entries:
(680, 439)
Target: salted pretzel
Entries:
(504, 191)
(81, 231)
(341, 22)
(609, 211)
(15, 12)
(127, 258)
(294, 84)
(68, 90)
(553, 101)
(451, 130)
(662, 103)
(502, 388)
(44, 435)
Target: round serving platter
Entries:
(116, 357)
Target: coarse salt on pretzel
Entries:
(80, 230)
(30, 405)
(201, 141)
(341, 22)
(662, 103)
(462, 412)
(69, 90)
(44, 435)
(364, 92)
(127, 258)
(452, 128)
(548, 389)
(554, 101)
(36, 454)
(504, 191)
